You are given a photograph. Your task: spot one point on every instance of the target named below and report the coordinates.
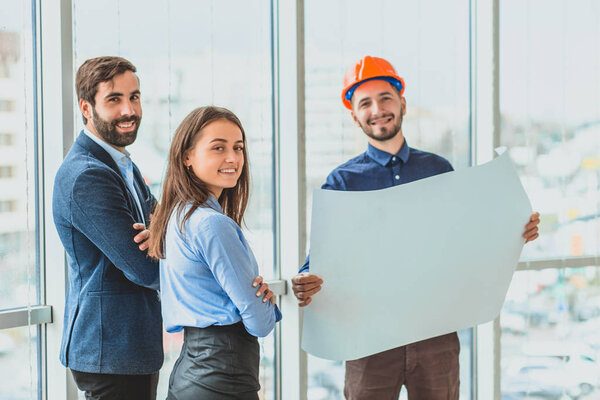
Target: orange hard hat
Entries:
(369, 68)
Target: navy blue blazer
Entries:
(112, 321)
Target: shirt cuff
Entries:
(278, 315)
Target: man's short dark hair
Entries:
(95, 71)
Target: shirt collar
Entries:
(383, 157)
(213, 203)
(122, 159)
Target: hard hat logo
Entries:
(369, 68)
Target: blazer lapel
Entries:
(88, 144)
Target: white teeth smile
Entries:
(126, 125)
(227, 171)
(381, 121)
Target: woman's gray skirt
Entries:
(217, 362)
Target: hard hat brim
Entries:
(349, 91)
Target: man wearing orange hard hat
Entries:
(373, 91)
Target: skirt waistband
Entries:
(195, 332)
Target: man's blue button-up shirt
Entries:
(376, 169)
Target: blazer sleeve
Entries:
(101, 212)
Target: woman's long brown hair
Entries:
(181, 186)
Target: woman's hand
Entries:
(263, 289)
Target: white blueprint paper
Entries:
(413, 261)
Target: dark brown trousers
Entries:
(428, 369)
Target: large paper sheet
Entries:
(413, 261)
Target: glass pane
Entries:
(550, 110)
(550, 335)
(18, 248)
(19, 363)
(435, 66)
(189, 54)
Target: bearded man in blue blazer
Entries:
(112, 337)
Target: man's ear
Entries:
(403, 101)
(86, 109)
(354, 118)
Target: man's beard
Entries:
(384, 133)
(108, 129)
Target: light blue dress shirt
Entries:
(123, 161)
(206, 277)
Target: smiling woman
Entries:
(217, 158)
(208, 271)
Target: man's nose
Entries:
(375, 107)
(127, 108)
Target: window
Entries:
(553, 133)
(16, 347)
(190, 54)
(19, 219)
(8, 206)
(7, 106)
(6, 171)
(18, 216)
(11, 52)
(6, 139)
(435, 68)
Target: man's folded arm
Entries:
(100, 212)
